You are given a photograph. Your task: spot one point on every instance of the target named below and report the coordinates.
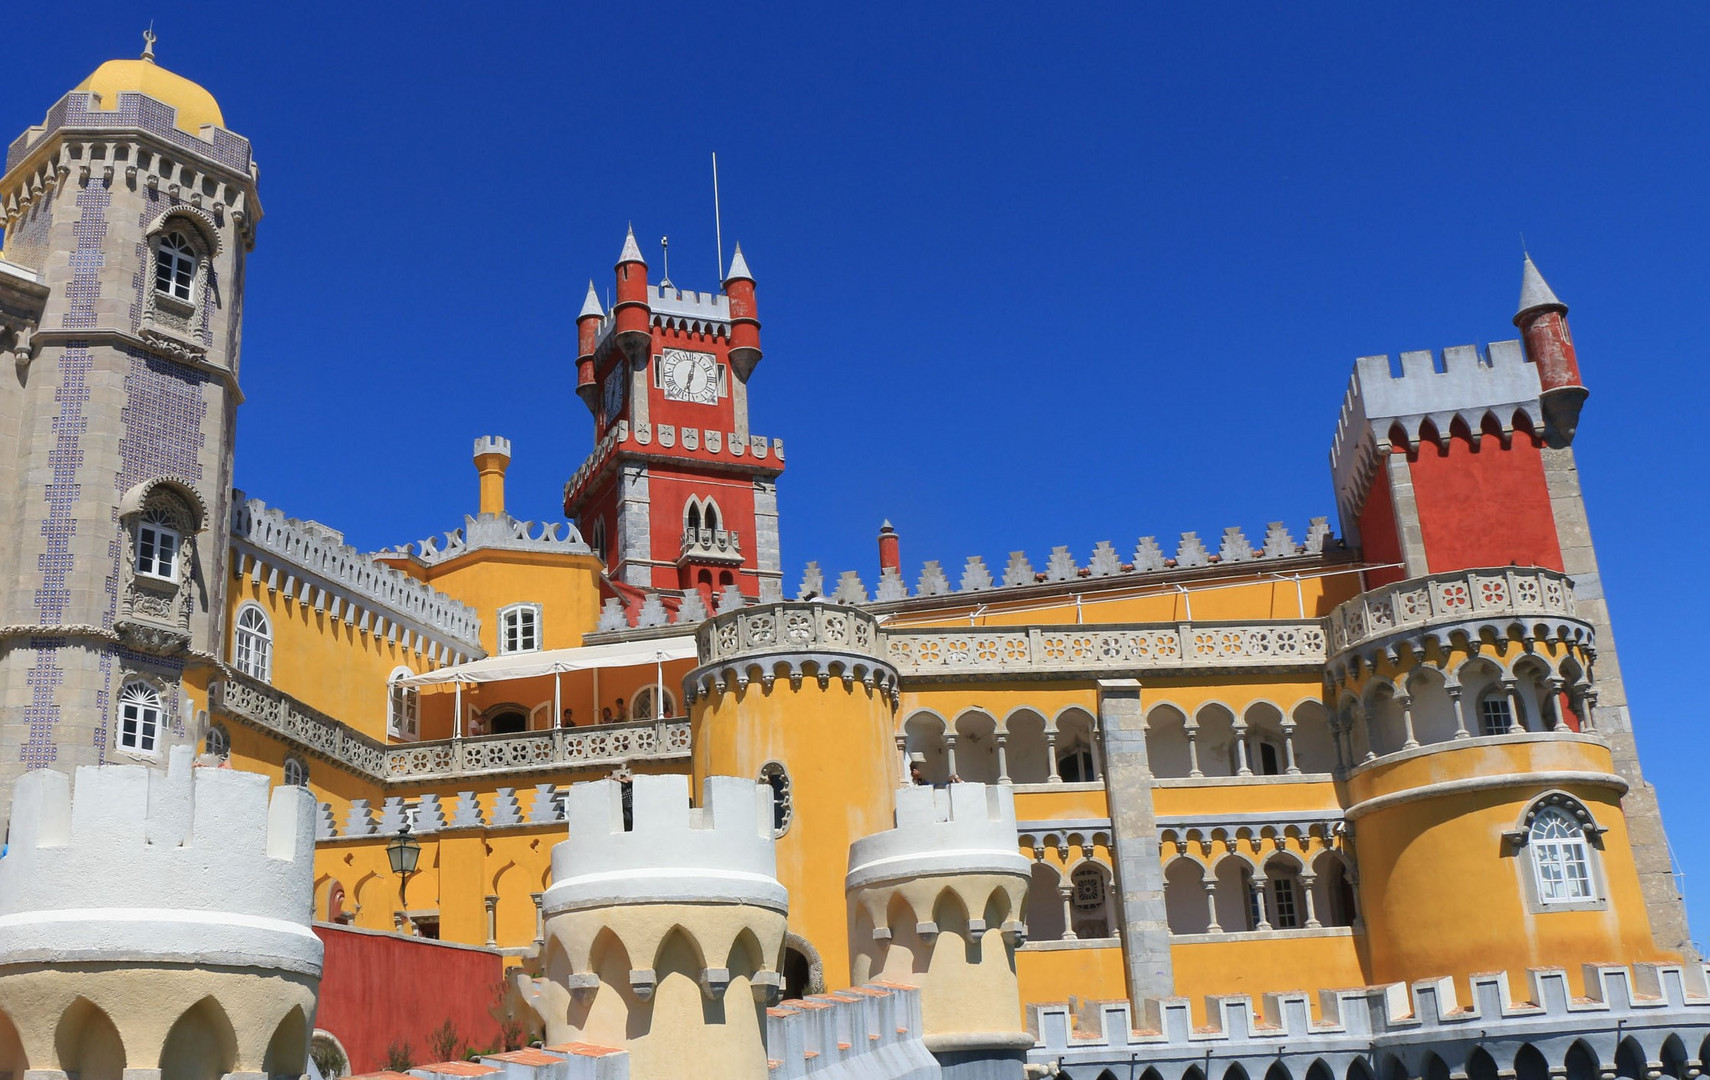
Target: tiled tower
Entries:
(129, 214)
(677, 494)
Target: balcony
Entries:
(711, 545)
(952, 653)
(1470, 601)
(551, 750)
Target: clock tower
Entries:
(677, 494)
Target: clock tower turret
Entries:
(677, 494)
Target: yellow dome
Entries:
(195, 105)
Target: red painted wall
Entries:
(377, 988)
(1378, 540)
(1485, 507)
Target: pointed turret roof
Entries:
(738, 267)
(591, 306)
(631, 250)
(1535, 292)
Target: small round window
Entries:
(772, 774)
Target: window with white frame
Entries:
(218, 742)
(140, 716)
(158, 542)
(1561, 858)
(252, 643)
(403, 706)
(175, 266)
(296, 772)
(1494, 714)
(519, 628)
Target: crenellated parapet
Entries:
(1490, 392)
(936, 903)
(315, 565)
(504, 533)
(863, 1032)
(793, 640)
(1650, 1020)
(135, 902)
(664, 925)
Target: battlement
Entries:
(318, 563)
(662, 850)
(186, 865)
(1498, 385)
(959, 829)
(1647, 1003)
(874, 1030)
(504, 533)
(80, 110)
(679, 309)
(492, 444)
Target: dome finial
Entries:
(148, 42)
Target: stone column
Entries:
(1242, 768)
(1067, 892)
(1210, 885)
(1306, 883)
(1408, 741)
(1003, 758)
(1139, 875)
(1191, 730)
(1093, 752)
(1553, 710)
(1460, 711)
(902, 758)
(492, 903)
(1516, 708)
(1288, 747)
(1051, 754)
(950, 754)
(1261, 903)
(539, 919)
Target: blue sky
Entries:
(1028, 277)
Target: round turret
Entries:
(1542, 320)
(664, 924)
(936, 903)
(587, 340)
(744, 323)
(158, 920)
(631, 311)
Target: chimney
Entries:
(492, 456)
(890, 549)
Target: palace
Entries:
(1331, 803)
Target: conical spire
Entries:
(1535, 292)
(591, 306)
(738, 267)
(631, 250)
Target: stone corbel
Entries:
(582, 984)
(767, 987)
(976, 926)
(643, 981)
(881, 933)
(1015, 933)
(926, 930)
(714, 982)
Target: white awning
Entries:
(557, 661)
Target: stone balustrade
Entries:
(951, 652)
(1470, 600)
(716, 545)
(261, 706)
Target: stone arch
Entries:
(1481, 679)
(1025, 751)
(1285, 901)
(949, 913)
(13, 1059)
(201, 1044)
(288, 1050)
(1320, 1070)
(1092, 918)
(1235, 1072)
(87, 1042)
(799, 952)
(1581, 1061)
(1166, 741)
(1434, 1068)
(1433, 711)
(1216, 740)
(1333, 889)
(1480, 1065)
(1530, 1064)
(192, 219)
(1278, 1071)
(1673, 1057)
(608, 1012)
(1077, 750)
(1234, 875)
(1045, 903)
(746, 956)
(1359, 1070)
(1531, 677)
(1630, 1059)
(1314, 743)
(1383, 716)
(170, 488)
(976, 747)
(1266, 745)
(923, 735)
(1184, 896)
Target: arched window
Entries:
(1091, 901)
(140, 716)
(641, 708)
(158, 541)
(772, 774)
(219, 742)
(693, 517)
(710, 518)
(175, 266)
(1560, 857)
(252, 643)
(403, 706)
(296, 772)
(599, 534)
(519, 628)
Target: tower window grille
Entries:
(139, 717)
(175, 267)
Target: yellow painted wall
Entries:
(1255, 966)
(837, 746)
(1091, 974)
(567, 588)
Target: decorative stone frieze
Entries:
(794, 639)
(952, 652)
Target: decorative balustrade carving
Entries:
(1499, 598)
(712, 544)
(789, 628)
(261, 706)
(939, 652)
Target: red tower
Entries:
(677, 494)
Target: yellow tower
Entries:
(795, 695)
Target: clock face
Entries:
(689, 376)
(614, 393)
